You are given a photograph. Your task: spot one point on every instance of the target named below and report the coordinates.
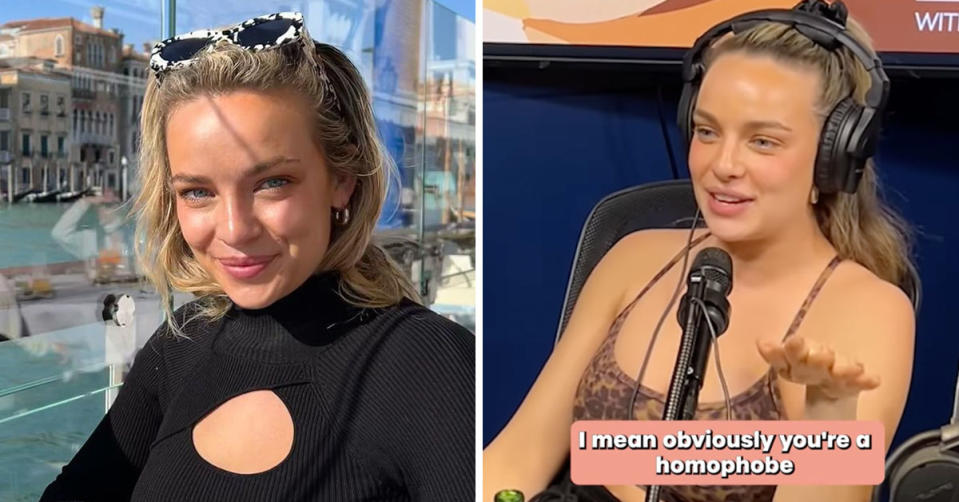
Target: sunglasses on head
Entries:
(257, 34)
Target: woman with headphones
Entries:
(781, 112)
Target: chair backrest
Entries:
(665, 204)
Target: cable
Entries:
(719, 367)
(659, 324)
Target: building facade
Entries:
(101, 101)
(35, 132)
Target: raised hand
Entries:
(816, 365)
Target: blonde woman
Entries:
(304, 369)
(819, 327)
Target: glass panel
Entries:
(67, 110)
(417, 59)
(449, 163)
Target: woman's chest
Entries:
(238, 430)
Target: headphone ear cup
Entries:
(832, 162)
(684, 115)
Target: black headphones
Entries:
(851, 131)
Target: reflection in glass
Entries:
(417, 58)
(71, 82)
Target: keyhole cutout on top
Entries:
(248, 434)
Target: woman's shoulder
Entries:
(649, 248)
(637, 257)
(409, 322)
(410, 333)
(857, 287)
(194, 330)
(857, 303)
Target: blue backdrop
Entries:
(556, 141)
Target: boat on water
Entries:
(48, 196)
(72, 196)
(18, 197)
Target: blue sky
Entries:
(138, 19)
(465, 8)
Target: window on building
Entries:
(44, 150)
(26, 102)
(4, 141)
(61, 106)
(44, 104)
(4, 98)
(58, 46)
(111, 157)
(60, 145)
(25, 176)
(26, 145)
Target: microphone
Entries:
(709, 282)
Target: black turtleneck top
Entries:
(382, 403)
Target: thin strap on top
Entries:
(807, 303)
(659, 276)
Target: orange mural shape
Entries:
(894, 26)
(661, 26)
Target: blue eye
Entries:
(704, 132)
(764, 143)
(274, 183)
(195, 193)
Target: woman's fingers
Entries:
(809, 362)
(774, 354)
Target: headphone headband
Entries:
(824, 32)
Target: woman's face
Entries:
(755, 137)
(253, 193)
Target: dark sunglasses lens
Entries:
(183, 49)
(265, 33)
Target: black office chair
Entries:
(665, 204)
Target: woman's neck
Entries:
(780, 255)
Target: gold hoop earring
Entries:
(341, 216)
(814, 196)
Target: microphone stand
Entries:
(683, 390)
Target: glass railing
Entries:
(54, 389)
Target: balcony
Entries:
(83, 94)
(89, 138)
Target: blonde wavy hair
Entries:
(344, 130)
(859, 225)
